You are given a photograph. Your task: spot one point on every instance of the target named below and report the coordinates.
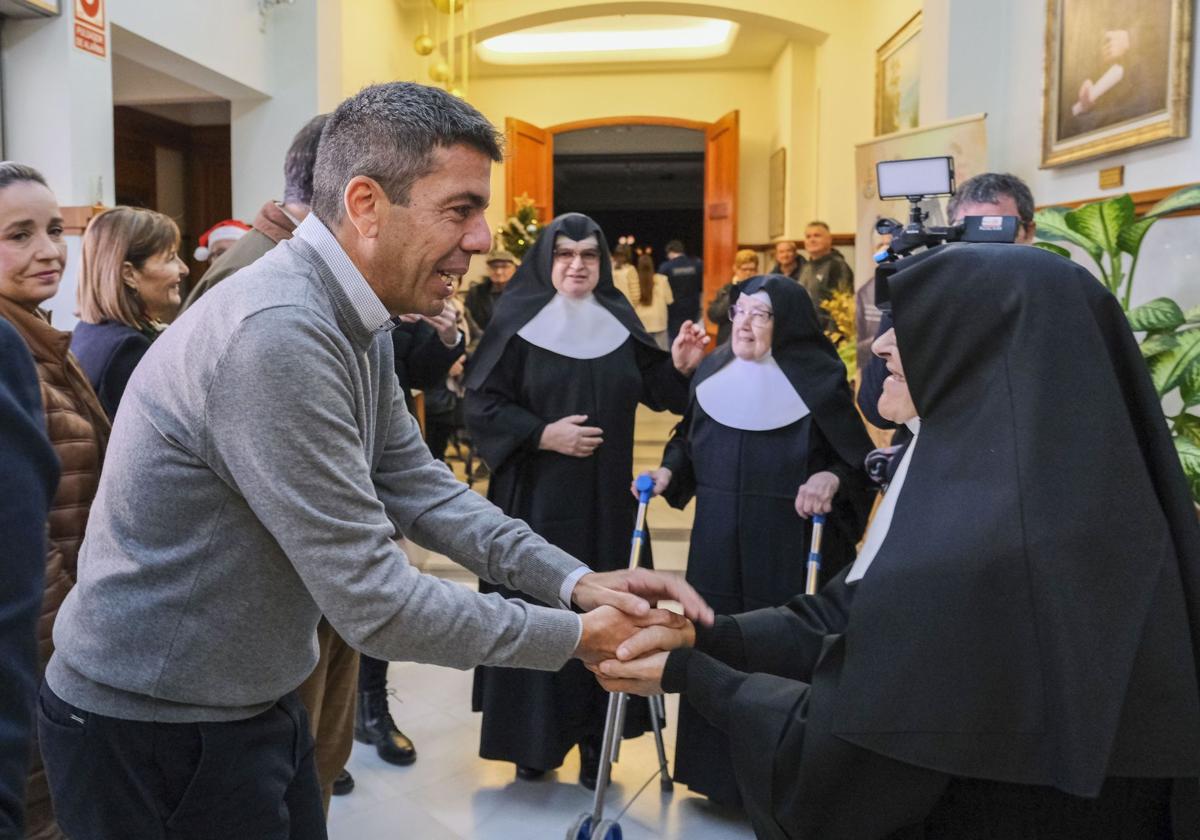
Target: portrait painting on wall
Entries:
(898, 80)
(1116, 76)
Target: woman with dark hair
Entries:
(1013, 654)
(551, 396)
(33, 253)
(771, 436)
(128, 292)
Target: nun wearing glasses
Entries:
(552, 392)
(770, 438)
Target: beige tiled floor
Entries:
(451, 793)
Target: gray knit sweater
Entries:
(261, 465)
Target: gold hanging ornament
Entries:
(423, 45)
(440, 72)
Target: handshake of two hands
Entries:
(625, 638)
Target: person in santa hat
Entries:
(219, 238)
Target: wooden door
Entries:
(529, 169)
(720, 204)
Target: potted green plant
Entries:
(1111, 233)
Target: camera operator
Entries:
(988, 194)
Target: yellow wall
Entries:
(376, 45)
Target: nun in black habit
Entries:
(1014, 652)
(551, 396)
(770, 437)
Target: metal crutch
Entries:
(593, 826)
(814, 555)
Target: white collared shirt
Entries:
(366, 303)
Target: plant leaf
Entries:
(1167, 369)
(1156, 344)
(1189, 384)
(1184, 199)
(1159, 314)
(1189, 458)
(1192, 316)
(1130, 238)
(1102, 221)
(1188, 426)
(1053, 249)
(1052, 226)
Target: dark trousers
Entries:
(114, 779)
(372, 675)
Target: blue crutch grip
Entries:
(645, 488)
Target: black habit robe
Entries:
(749, 546)
(1020, 659)
(581, 505)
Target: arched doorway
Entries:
(530, 171)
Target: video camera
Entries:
(918, 179)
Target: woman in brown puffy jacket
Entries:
(33, 254)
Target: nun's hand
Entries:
(816, 495)
(642, 677)
(688, 350)
(659, 637)
(662, 480)
(569, 436)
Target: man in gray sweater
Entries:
(263, 465)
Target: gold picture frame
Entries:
(777, 192)
(1116, 77)
(897, 80)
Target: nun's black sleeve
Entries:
(785, 641)
(500, 427)
(663, 387)
(677, 457)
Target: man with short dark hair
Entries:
(825, 271)
(258, 483)
(988, 194)
(686, 276)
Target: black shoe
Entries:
(343, 784)
(529, 774)
(373, 724)
(589, 764)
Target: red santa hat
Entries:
(228, 229)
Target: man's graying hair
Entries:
(300, 161)
(987, 189)
(388, 132)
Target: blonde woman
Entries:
(128, 293)
(745, 266)
(650, 294)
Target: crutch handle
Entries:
(645, 488)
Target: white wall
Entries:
(992, 60)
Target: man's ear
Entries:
(364, 202)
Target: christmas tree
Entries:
(521, 230)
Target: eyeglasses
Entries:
(758, 317)
(566, 255)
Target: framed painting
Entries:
(1116, 76)
(898, 80)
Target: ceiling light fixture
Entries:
(624, 38)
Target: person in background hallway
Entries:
(276, 220)
(825, 271)
(262, 469)
(128, 292)
(686, 276)
(788, 261)
(1013, 654)
(482, 297)
(551, 398)
(989, 194)
(33, 253)
(624, 270)
(649, 294)
(745, 266)
(30, 470)
(771, 437)
(218, 239)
